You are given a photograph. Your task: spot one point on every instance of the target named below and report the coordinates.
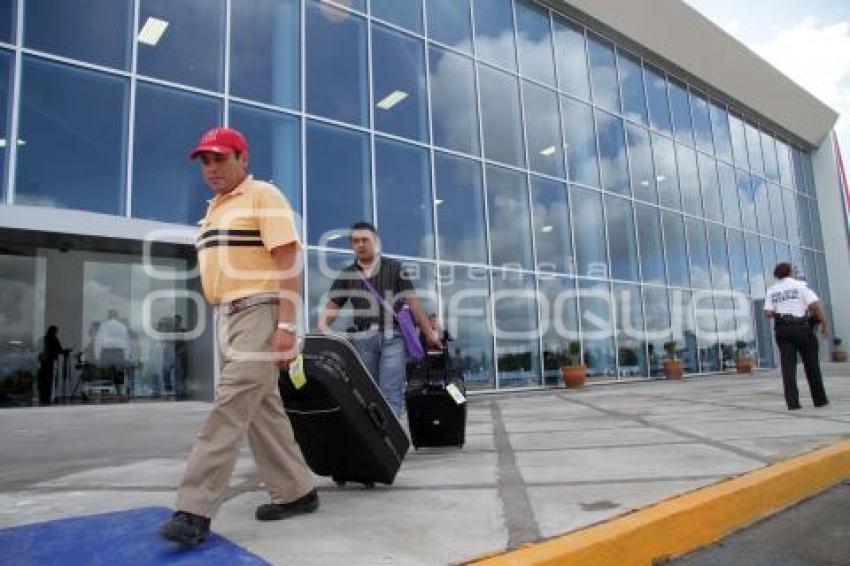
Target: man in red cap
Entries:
(250, 262)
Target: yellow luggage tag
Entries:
(296, 372)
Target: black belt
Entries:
(238, 305)
(790, 319)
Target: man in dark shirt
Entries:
(51, 349)
(377, 338)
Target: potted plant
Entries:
(839, 354)
(673, 367)
(743, 362)
(574, 372)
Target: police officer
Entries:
(789, 303)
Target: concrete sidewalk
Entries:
(536, 465)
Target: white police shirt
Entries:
(789, 296)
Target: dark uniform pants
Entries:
(798, 337)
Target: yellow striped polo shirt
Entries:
(237, 235)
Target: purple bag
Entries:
(404, 317)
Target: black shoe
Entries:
(824, 404)
(794, 407)
(277, 511)
(186, 528)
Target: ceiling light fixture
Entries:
(152, 31)
(548, 151)
(546, 229)
(392, 99)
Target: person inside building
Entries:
(789, 303)
(112, 349)
(51, 348)
(377, 338)
(250, 261)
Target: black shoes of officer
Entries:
(824, 404)
(186, 528)
(277, 511)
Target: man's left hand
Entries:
(285, 346)
(433, 340)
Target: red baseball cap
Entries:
(222, 141)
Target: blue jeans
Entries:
(384, 356)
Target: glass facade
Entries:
(520, 158)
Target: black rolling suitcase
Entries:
(341, 420)
(436, 402)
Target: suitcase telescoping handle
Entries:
(376, 416)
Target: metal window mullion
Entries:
(302, 124)
(228, 8)
(373, 184)
(16, 103)
(131, 120)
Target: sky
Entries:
(808, 40)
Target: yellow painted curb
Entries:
(687, 522)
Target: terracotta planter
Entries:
(574, 376)
(674, 369)
(744, 365)
(839, 355)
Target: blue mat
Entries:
(121, 538)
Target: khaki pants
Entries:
(247, 403)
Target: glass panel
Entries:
(754, 148)
(359, 5)
(466, 315)
(403, 13)
(398, 74)
(545, 148)
(698, 250)
(552, 226)
(791, 217)
(335, 45)
(783, 155)
(640, 164)
(166, 185)
(494, 32)
(323, 268)
(702, 123)
(336, 158)
(762, 206)
(449, 23)
(777, 212)
(6, 63)
(739, 141)
(710, 188)
(659, 103)
(603, 73)
(612, 153)
(595, 304)
(454, 109)
(571, 58)
(191, 50)
(517, 347)
(7, 20)
(651, 246)
(768, 149)
(460, 209)
(534, 38)
(768, 254)
(810, 175)
(664, 155)
(764, 334)
(95, 31)
(657, 309)
(747, 198)
(631, 82)
(720, 131)
(622, 239)
(684, 329)
(706, 327)
(721, 278)
(689, 180)
(799, 173)
(265, 51)
(745, 329)
(754, 260)
(738, 262)
(729, 194)
(817, 231)
(580, 142)
(507, 201)
(561, 327)
(628, 316)
(405, 209)
(275, 142)
(590, 244)
(501, 117)
(72, 148)
(677, 252)
(681, 108)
